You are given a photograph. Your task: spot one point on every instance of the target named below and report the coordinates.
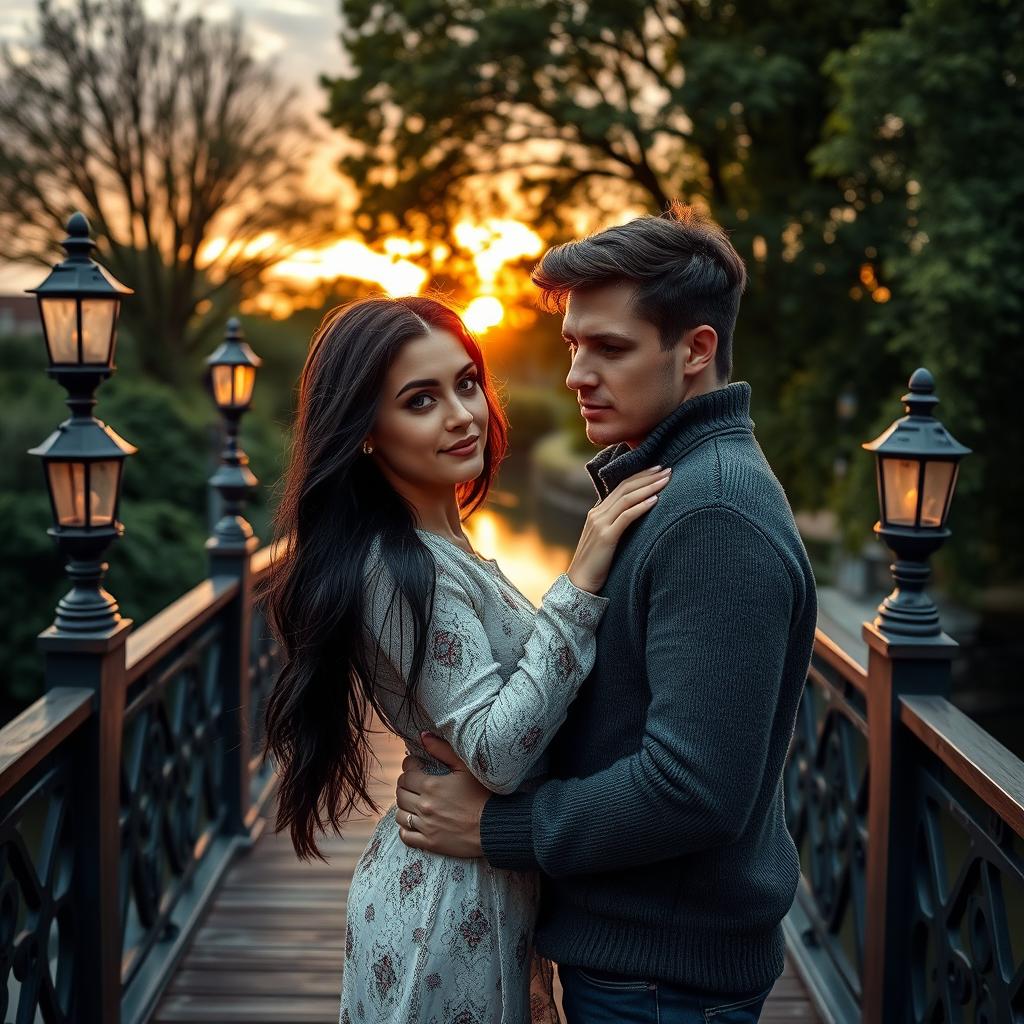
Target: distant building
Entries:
(19, 315)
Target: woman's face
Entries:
(431, 427)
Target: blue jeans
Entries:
(597, 997)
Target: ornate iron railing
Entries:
(826, 809)
(909, 820)
(40, 963)
(123, 802)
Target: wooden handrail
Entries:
(993, 773)
(830, 652)
(39, 730)
(167, 629)
(261, 560)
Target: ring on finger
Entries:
(408, 822)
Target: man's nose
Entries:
(580, 376)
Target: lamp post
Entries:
(231, 378)
(85, 647)
(917, 462)
(83, 458)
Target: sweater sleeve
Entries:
(499, 725)
(720, 601)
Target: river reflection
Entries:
(530, 560)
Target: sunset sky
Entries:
(301, 38)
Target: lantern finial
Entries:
(921, 399)
(78, 245)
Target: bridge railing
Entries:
(909, 821)
(121, 805)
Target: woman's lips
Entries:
(467, 447)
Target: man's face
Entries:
(625, 382)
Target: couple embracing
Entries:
(596, 782)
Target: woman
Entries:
(379, 601)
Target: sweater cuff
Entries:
(579, 606)
(506, 832)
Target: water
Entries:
(529, 558)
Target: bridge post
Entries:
(96, 662)
(234, 671)
(897, 666)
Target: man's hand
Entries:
(445, 809)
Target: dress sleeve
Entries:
(499, 725)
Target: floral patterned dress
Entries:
(441, 940)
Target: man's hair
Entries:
(684, 267)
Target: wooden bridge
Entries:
(138, 881)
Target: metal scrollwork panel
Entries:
(265, 663)
(967, 928)
(826, 782)
(37, 960)
(171, 793)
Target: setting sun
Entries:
(483, 313)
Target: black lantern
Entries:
(232, 377)
(83, 460)
(917, 461)
(232, 374)
(79, 302)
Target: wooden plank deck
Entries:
(271, 947)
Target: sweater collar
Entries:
(722, 410)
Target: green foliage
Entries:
(865, 156)
(164, 496)
(928, 119)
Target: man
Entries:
(661, 832)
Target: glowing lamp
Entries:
(79, 303)
(232, 374)
(917, 462)
(83, 460)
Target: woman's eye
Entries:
(467, 384)
(416, 403)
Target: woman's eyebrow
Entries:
(431, 383)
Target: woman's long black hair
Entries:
(335, 502)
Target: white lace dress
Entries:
(440, 940)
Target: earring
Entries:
(367, 448)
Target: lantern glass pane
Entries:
(61, 320)
(67, 486)
(97, 330)
(102, 492)
(901, 484)
(222, 379)
(938, 481)
(245, 381)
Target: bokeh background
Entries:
(274, 158)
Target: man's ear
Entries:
(703, 345)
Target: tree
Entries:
(928, 117)
(865, 156)
(184, 152)
(571, 113)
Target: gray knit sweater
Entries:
(662, 831)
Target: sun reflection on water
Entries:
(524, 556)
